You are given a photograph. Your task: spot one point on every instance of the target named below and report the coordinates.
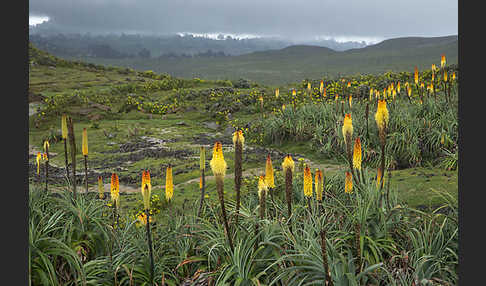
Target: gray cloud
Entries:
(290, 19)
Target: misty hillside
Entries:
(296, 63)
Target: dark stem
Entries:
(47, 166)
(149, 238)
(324, 258)
(86, 172)
(219, 186)
(66, 159)
(288, 193)
(73, 151)
(238, 174)
(202, 193)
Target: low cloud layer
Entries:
(297, 20)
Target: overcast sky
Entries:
(297, 20)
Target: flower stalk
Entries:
(46, 159)
(72, 143)
(146, 193)
(202, 179)
(85, 155)
(64, 129)
(218, 166)
(238, 141)
(288, 167)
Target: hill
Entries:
(296, 63)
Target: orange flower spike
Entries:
(307, 182)
(269, 179)
(319, 185)
(217, 163)
(115, 189)
(445, 76)
(288, 163)
(350, 101)
(443, 61)
(169, 185)
(398, 87)
(347, 127)
(416, 75)
(381, 115)
(348, 183)
(357, 154)
(262, 186)
(324, 93)
(146, 189)
(85, 142)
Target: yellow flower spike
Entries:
(309, 86)
(277, 93)
(454, 76)
(85, 142)
(357, 154)
(347, 128)
(415, 76)
(381, 115)
(283, 107)
(202, 158)
(238, 135)
(379, 173)
(293, 92)
(288, 163)
(433, 68)
(38, 160)
(445, 76)
(307, 182)
(115, 189)
(336, 98)
(319, 185)
(169, 185)
(321, 87)
(101, 188)
(146, 189)
(398, 87)
(350, 101)
(348, 183)
(217, 163)
(262, 186)
(46, 145)
(142, 218)
(269, 180)
(394, 94)
(64, 126)
(409, 91)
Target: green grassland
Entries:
(296, 63)
(179, 129)
(405, 233)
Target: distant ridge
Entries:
(299, 62)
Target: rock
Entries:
(211, 125)
(228, 131)
(181, 123)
